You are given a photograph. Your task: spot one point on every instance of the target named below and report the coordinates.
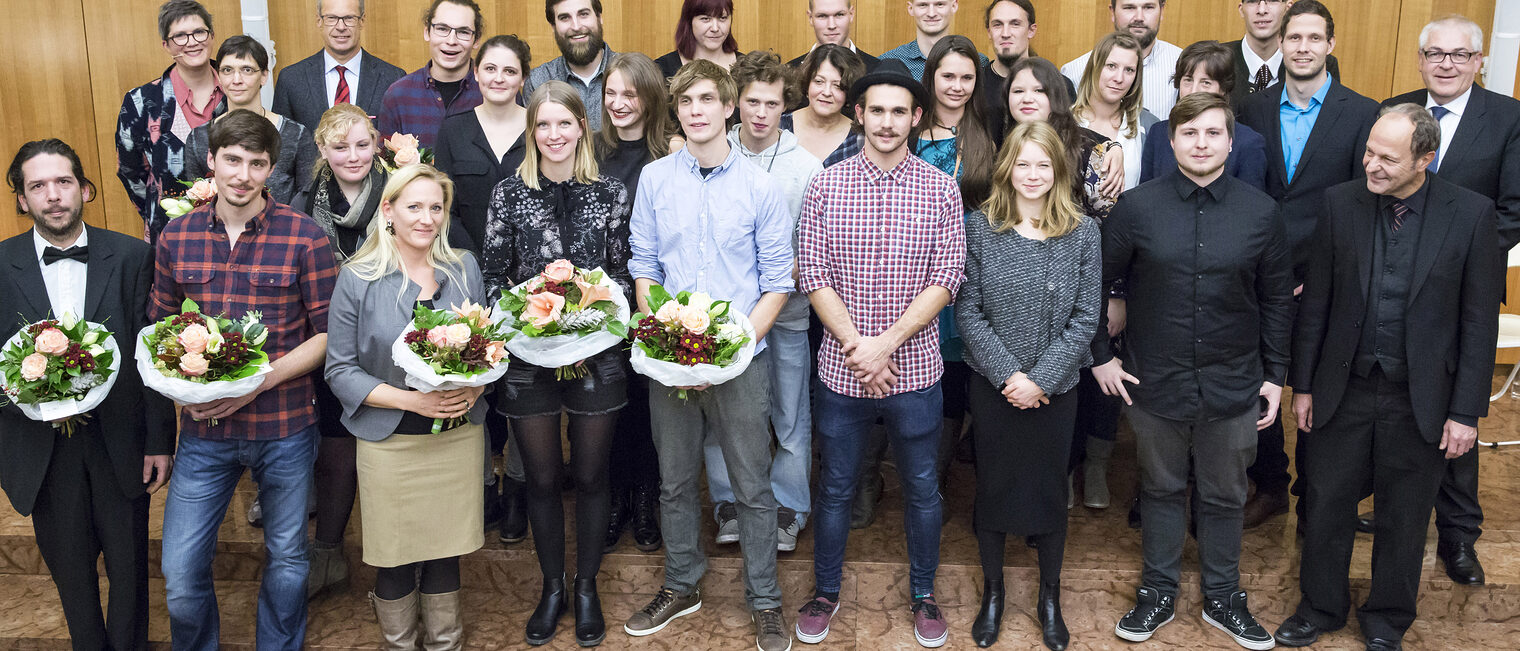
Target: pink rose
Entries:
(193, 364)
(495, 352)
(457, 335)
(439, 336)
(204, 190)
(401, 142)
(194, 338)
(543, 309)
(669, 313)
(695, 319)
(592, 294)
(52, 342)
(477, 315)
(408, 156)
(34, 367)
(559, 271)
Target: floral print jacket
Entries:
(149, 157)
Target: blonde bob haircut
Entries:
(558, 92)
(379, 256)
(1059, 215)
(1087, 91)
(336, 123)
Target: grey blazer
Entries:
(300, 92)
(363, 320)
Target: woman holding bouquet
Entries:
(1027, 312)
(420, 490)
(557, 208)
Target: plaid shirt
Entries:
(413, 105)
(879, 239)
(282, 267)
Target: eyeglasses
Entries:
(245, 71)
(348, 21)
(183, 39)
(441, 30)
(1458, 57)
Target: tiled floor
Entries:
(1101, 571)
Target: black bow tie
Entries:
(53, 254)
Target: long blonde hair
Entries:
(1130, 104)
(336, 123)
(379, 256)
(1059, 215)
(558, 92)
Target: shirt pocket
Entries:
(273, 292)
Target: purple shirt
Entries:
(413, 105)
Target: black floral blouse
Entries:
(527, 229)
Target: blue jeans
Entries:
(205, 474)
(913, 428)
(790, 418)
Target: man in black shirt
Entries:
(1209, 275)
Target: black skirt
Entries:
(1020, 461)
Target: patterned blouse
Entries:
(943, 155)
(853, 143)
(527, 229)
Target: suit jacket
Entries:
(1332, 155)
(1451, 321)
(464, 153)
(300, 92)
(867, 59)
(1244, 76)
(133, 421)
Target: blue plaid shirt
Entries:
(413, 105)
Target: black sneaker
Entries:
(1232, 616)
(1152, 611)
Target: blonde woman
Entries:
(1109, 99)
(1027, 311)
(421, 491)
(558, 206)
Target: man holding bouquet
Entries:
(87, 493)
(243, 253)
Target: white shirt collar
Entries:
(1254, 62)
(41, 245)
(328, 63)
(1456, 106)
(849, 44)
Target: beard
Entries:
(582, 54)
(1009, 59)
(53, 230)
(1146, 38)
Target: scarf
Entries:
(359, 213)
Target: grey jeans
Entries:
(737, 414)
(1218, 452)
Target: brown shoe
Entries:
(666, 606)
(1263, 506)
(771, 633)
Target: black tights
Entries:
(439, 576)
(1051, 548)
(336, 483)
(590, 441)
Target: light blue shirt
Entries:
(912, 56)
(1297, 123)
(728, 234)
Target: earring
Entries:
(390, 228)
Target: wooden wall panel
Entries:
(1414, 14)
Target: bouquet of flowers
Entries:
(194, 358)
(56, 370)
(196, 195)
(691, 340)
(457, 348)
(402, 149)
(566, 314)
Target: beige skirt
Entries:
(420, 496)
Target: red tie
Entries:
(341, 96)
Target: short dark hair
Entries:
(686, 41)
(246, 47)
(1114, 3)
(765, 67)
(1216, 59)
(1189, 108)
(36, 148)
(1312, 7)
(248, 130)
(1026, 5)
(596, 6)
(1427, 132)
(432, 10)
(170, 12)
(511, 42)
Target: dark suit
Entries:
(300, 92)
(1244, 76)
(867, 59)
(464, 153)
(85, 492)
(1484, 156)
(1368, 427)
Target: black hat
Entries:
(891, 72)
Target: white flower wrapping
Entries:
(59, 409)
(563, 350)
(185, 392)
(422, 377)
(672, 374)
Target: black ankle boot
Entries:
(617, 519)
(989, 620)
(514, 516)
(590, 628)
(551, 606)
(1048, 610)
(646, 522)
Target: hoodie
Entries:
(793, 168)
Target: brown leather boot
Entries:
(398, 621)
(442, 628)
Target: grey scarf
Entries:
(359, 214)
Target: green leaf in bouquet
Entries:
(718, 310)
(725, 355)
(189, 306)
(594, 277)
(658, 296)
(618, 328)
(512, 303)
(572, 294)
(683, 297)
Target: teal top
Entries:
(942, 154)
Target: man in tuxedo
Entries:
(1258, 55)
(1393, 354)
(1316, 130)
(87, 493)
(1480, 151)
(341, 72)
(832, 21)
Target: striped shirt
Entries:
(414, 105)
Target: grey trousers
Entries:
(737, 414)
(1218, 452)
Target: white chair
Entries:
(1509, 337)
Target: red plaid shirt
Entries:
(282, 266)
(879, 239)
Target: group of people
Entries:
(927, 242)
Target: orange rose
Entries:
(669, 313)
(52, 341)
(402, 141)
(591, 294)
(559, 271)
(193, 365)
(194, 338)
(457, 335)
(408, 156)
(495, 352)
(34, 367)
(695, 319)
(543, 309)
(439, 337)
(204, 190)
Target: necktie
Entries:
(53, 254)
(1263, 78)
(1439, 112)
(341, 96)
(1400, 211)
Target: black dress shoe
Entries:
(1263, 506)
(646, 520)
(617, 519)
(514, 516)
(545, 618)
(1297, 631)
(1048, 610)
(1384, 644)
(1365, 523)
(1461, 562)
(590, 628)
(989, 620)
